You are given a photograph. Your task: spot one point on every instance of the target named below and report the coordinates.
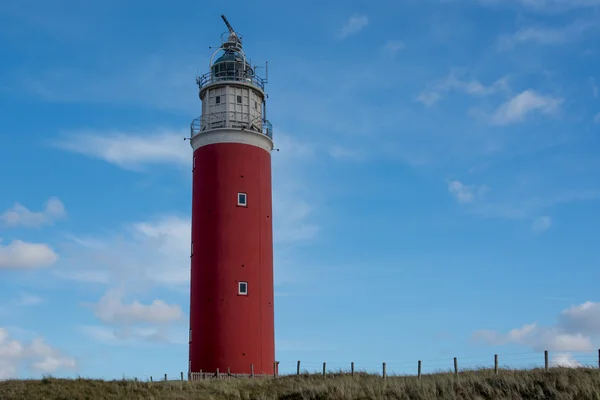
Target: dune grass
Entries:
(557, 383)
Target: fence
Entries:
(415, 369)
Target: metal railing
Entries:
(198, 376)
(230, 75)
(231, 119)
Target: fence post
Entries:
(275, 369)
(218, 374)
(151, 378)
(496, 364)
(298, 368)
(251, 370)
(228, 372)
(455, 366)
(352, 368)
(419, 369)
(384, 371)
(546, 360)
(165, 377)
(201, 375)
(324, 369)
(182, 377)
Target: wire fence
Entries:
(417, 368)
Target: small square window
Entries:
(239, 99)
(243, 288)
(218, 99)
(242, 199)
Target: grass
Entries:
(557, 384)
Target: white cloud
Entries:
(541, 224)
(132, 150)
(582, 318)
(354, 24)
(466, 193)
(436, 91)
(18, 254)
(564, 360)
(19, 215)
(111, 309)
(37, 356)
(154, 252)
(538, 338)
(577, 329)
(597, 118)
(546, 36)
(519, 107)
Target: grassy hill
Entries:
(557, 383)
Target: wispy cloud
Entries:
(154, 81)
(544, 5)
(353, 25)
(392, 47)
(518, 202)
(597, 118)
(436, 91)
(339, 152)
(20, 215)
(111, 309)
(37, 355)
(467, 193)
(16, 305)
(26, 300)
(291, 221)
(150, 253)
(134, 335)
(541, 224)
(594, 87)
(130, 150)
(522, 105)
(547, 36)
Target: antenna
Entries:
(228, 24)
(266, 72)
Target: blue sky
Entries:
(436, 191)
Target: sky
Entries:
(435, 191)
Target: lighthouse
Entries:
(231, 282)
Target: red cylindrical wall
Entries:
(231, 243)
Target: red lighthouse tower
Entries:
(231, 299)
